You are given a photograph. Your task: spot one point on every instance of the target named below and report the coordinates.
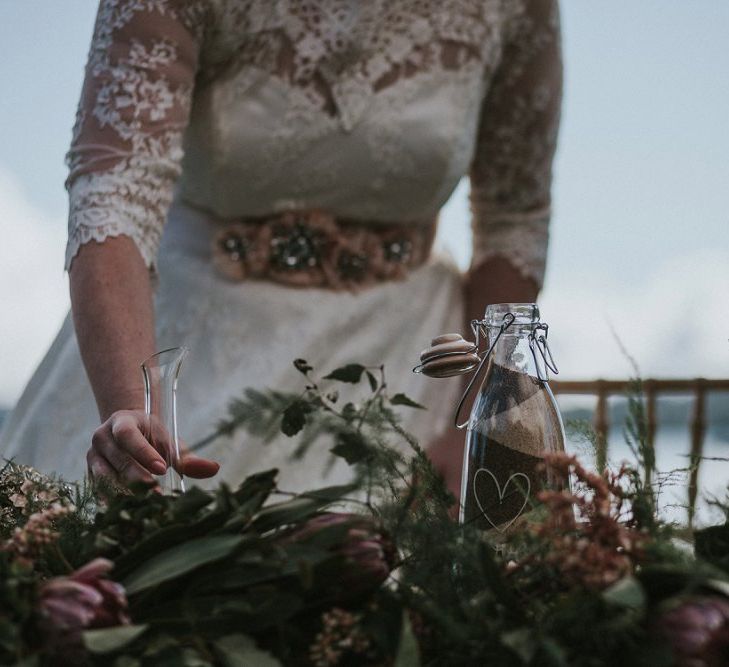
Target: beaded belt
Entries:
(315, 249)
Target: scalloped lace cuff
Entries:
(82, 234)
(108, 205)
(521, 241)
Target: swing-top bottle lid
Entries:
(523, 313)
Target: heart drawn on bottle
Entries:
(502, 492)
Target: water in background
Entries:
(672, 444)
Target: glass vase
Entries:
(161, 372)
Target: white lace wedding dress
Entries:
(198, 112)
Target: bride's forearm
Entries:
(496, 281)
(111, 299)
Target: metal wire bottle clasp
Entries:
(538, 346)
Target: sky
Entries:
(639, 244)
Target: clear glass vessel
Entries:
(161, 372)
(513, 423)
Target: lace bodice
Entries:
(371, 111)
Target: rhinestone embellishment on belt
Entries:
(235, 247)
(296, 249)
(398, 250)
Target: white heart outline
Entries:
(502, 493)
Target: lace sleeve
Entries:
(127, 141)
(512, 168)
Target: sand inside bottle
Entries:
(517, 422)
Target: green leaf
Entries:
(493, 573)
(256, 487)
(180, 560)
(166, 537)
(408, 653)
(287, 512)
(294, 417)
(663, 580)
(401, 399)
(241, 651)
(329, 494)
(372, 380)
(350, 412)
(351, 373)
(231, 580)
(719, 586)
(191, 502)
(302, 366)
(106, 640)
(189, 658)
(30, 661)
(352, 447)
(712, 544)
(626, 593)
(522, 641)
(552, 653)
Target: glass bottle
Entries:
(514, 421)
(161, 372)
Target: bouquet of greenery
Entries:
(244, 577)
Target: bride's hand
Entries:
(121, 451)
(446, 455)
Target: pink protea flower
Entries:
(368, 553)
(698, 632)
(85, 599)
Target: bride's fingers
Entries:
(195, 466)
(98, 466)
(156, 434)
(125, 468)
(127, 436)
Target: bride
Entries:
(260, 180)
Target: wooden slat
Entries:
(698, 427)
(602, 426)
(622, 386)
(651, 425)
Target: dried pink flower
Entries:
(590, 537)
(341, 634)
(26, 542)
